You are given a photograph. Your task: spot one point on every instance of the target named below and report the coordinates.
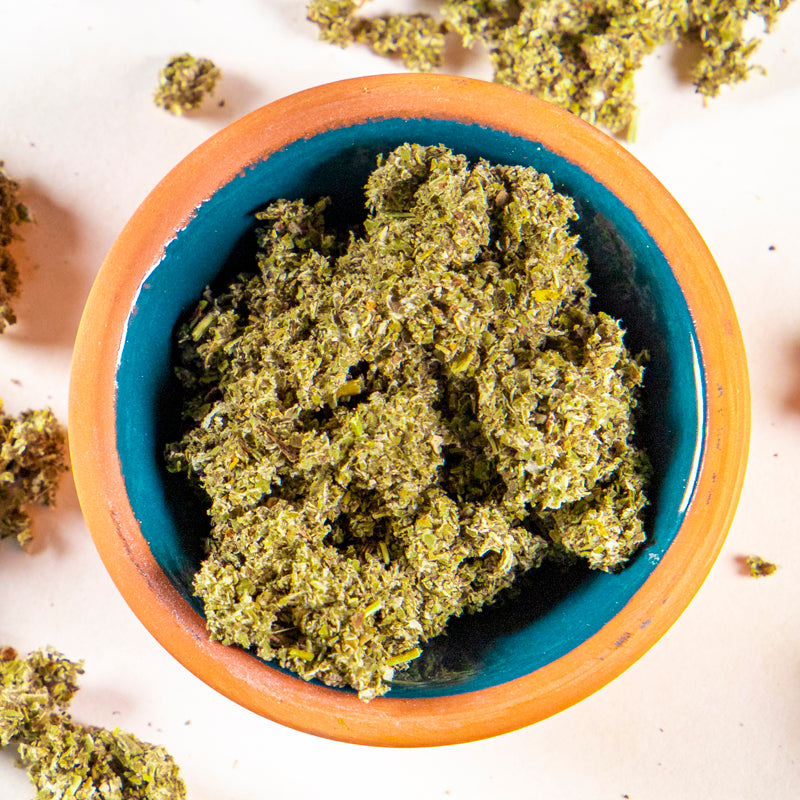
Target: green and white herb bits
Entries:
(581, 55)
(393, 423)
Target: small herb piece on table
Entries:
(758, 567)
(185, 82)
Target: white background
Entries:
(711, 712)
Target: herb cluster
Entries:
(12, 214)
(64, 758)
(392, 425)
(32, 458)
(32, 445)
(581, 55)
(185, 82)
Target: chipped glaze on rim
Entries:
(391, 721)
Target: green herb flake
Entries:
(32, 459)
(757, 567)
(64, 758)
(185, 82)
(13, 213)
(394, 423)
(581, 54)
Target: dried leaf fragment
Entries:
(758, 567)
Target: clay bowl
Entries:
(562, 638)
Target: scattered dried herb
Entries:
(394, 423)
(417, 39)
(12, 214)
(185, 82)
(758, 567)
(580, 54)
(32, 458)
(65, 759)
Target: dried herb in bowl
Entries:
(392, 424)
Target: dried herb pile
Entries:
(66, 759)
(392, 425)
(581, 55)
(32, 445)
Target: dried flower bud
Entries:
(32, 458)
(185, 82)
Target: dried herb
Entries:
(185, 82)
(65, 759)
(580, 54)
(32, 691)
(32, 458)
(12, 214)
(394, 423)
(758, 567)
(417, 39)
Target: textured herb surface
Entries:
(185, 82)
(65, 759)
(580, 54)
(32, 458)
(759, 567)
(393, 424)
(12, 214)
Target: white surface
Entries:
(712, 711)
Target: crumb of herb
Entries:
(580, 55)
(758, 567)
(394, 423)
(32, 459)
(185, 82)
(12, 214)
(64, 758)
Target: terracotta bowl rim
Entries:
(391, 721)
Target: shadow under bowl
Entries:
(565, 634)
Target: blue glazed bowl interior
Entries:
(554, 612)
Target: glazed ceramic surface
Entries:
(563, 636)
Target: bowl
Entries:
(561, 638)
